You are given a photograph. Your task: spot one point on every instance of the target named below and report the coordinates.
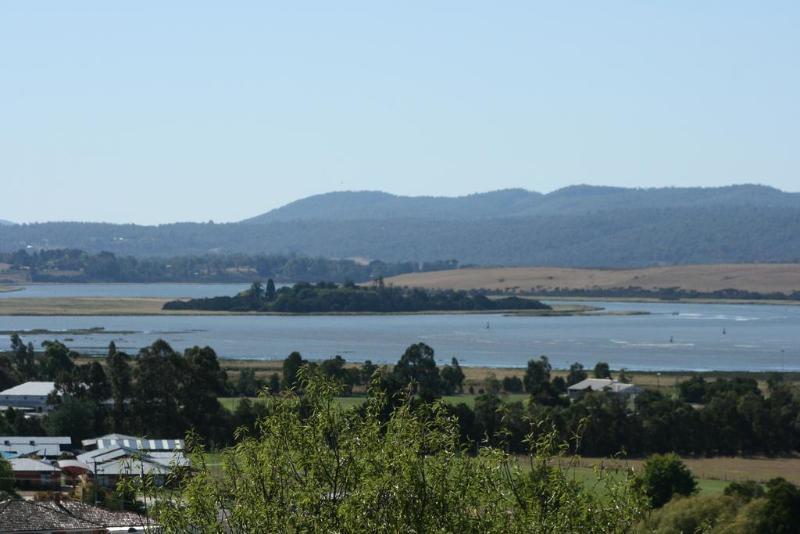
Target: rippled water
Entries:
(673, 337)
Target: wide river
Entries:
(673, 336)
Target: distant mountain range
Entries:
(5, 223)
(581, 226)
(574, 200)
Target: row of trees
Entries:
(416, 369)
(80, 266)
(160, 391)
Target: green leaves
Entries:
(313, 466)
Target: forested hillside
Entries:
(628, 238)
(574, 200)
(579, 227)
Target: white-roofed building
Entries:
(109, 464)
(111, 441)
(28, 396)
(46, 446)
(602, 384)
(35, 474)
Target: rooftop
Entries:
(63, 516)
(35, 440)
(31, 389)
(601, 384)
(29, 465)
(110, 441)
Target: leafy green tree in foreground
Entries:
(321, 468)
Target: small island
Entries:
(328, 297)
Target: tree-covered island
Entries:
(327, 297)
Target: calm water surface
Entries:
(673, 337)
(125, 290)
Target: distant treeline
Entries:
(70, 265)
(328, 297)
(661, 293)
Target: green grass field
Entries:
(588, 476)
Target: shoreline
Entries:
(152, 306)
(699, 300)
(11, 288)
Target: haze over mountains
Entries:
(581, 226)
(579, 199)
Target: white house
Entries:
(30, 396)
(602, 384)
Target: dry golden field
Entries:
(760, 278)
(81, 306)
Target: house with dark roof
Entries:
(65, 516)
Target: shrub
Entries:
(311, 465)
(666, 475)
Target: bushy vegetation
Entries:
(310, 465)
(774, 509)
(665, 476)
(327, 297)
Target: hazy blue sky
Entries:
(143, 113)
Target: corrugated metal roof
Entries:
(110, 441)
(29, 464)
(124, 461)
(25, 450)
(31, 389)
(73, 464)
(63, 440)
